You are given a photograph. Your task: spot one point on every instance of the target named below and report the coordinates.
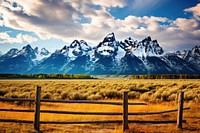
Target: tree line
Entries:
(45, 76)
(166, 76)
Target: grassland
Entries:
(159, 94)
(192, 116)
(146, 90)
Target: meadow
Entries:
(148, 90)
(158, 94)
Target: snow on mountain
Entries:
(129, 45)
(144, 48)
(148, 47)
(192, 56)
(64, 51)
(53, 64)
(109, 57)
(40, 54)
(44, 52)
(179, 65)
(69, 59)
(79, 48)
(27, 51)
(108, 47)
(131, 64)
(106, 56)
(12, 52)
(17, 61)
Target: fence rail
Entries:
(93, 113)
(125, 112)
(93, 121)
(69, 101)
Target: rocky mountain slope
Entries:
(110, 56)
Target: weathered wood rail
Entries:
(124, 104)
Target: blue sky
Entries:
(55, 23)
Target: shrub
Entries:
(189, 96)
(47, 96)
(145, 97)
(157, 95)
(172, 97)
(133, 95)
(11, 95)
(3, 92)
(64, 95)
(132, 87)
(78, 96)
(94, 97)
(165, 96)
(113, 94)
(25, 95)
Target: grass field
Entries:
(146, 90)
(159, 94)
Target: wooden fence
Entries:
(124, 104)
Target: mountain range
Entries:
(109, 57)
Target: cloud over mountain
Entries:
(20, 38)
(91, 19)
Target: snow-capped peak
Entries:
(129, 44)
(36, 50)
(144, 48)
(108, 47)
(12, 52)
(148, 47)
(44, 52)
(79, 48)
(196, 51)
(27, 51)
(41, 54)
(64, 51)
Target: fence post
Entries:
(180, 109)
(37, 109)
(125, 111)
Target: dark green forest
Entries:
(45, 76)
(166, 76)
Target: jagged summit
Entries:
(129, 45)
(108, 47)
(110, 56)
(79, 48)
(109, 38)
(192, 56)
(147, 47)
(44, 52)
(27, 51)
(63, 51)
(12, 52)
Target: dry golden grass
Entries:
(146, 90)
(192, 116)
(153, 91)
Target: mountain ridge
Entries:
(110, 56)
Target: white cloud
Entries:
(62, 19)
(186, 24)
(195, 10)
(110, 3)
(20, 38)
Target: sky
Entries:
(55, 23)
